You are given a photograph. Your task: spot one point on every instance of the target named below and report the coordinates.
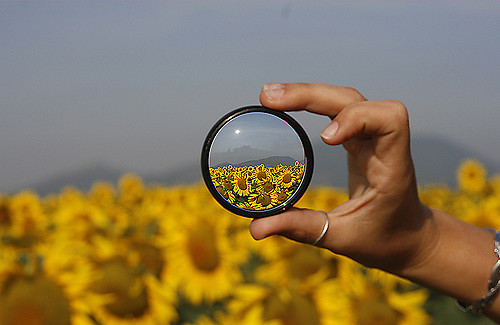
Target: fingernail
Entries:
(273, 91)
(330, 131)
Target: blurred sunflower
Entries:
(323, 198)
(203, 256)
(80, 220)
(471, 176)
(103, 194)
(304, 267)
(47, 285)
(375, 297)
(133, 297)
(484, 213)
(131, 190)
(284, 305)
(494, 184)
(5, 215)
(25, 217)
(251, 317)
(436, 196)
(275, 248)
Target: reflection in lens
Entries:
(257, 187)
(256, 161)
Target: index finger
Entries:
(317, 98)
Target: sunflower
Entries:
(299, 169)
(484, 213)
(471, 176)
(26, 217)
(436, 196)
(102, 194)
(131, 190)
(261, 173)
(275, 248)
(251, 317)
(5, 214)
(216, 175)
(228, 195)
(46, 286)
(284, 305)
(134, 297)
(283, 194)
(305, 267)
(130, 272)
(80, 220)
(242, 186)
(373, 297)
(327, 198)
(288, 178)
(263, 199)
(494, 184)
(204, 256)
(244, 205)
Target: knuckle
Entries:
(354, 94)
(399, 112)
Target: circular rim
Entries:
(308, 158)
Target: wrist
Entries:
(425, 242)
(460, 261)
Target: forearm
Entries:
(460, 262)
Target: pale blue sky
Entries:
(253, 136)
(138, 85)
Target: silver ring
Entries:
(325, 228)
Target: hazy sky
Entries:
(254, 136)
(138, 85)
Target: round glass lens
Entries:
(256, 162)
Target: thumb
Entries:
(302, 225)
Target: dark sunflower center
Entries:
(268, 187)
(282, 196)
(264, 199)
(377, 312)
(305, 263)
(35, 300)
(296, 310)
(242, 184)
(261, 175)
(151, 257)
(223, 192)
(287, 178)
(202, 248)
(5, 218)
(228, 186)
(117, 279)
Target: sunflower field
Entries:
(257, 187)
(132, 253)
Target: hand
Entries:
(383, 224)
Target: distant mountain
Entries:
(436, 161)
(81, 178)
